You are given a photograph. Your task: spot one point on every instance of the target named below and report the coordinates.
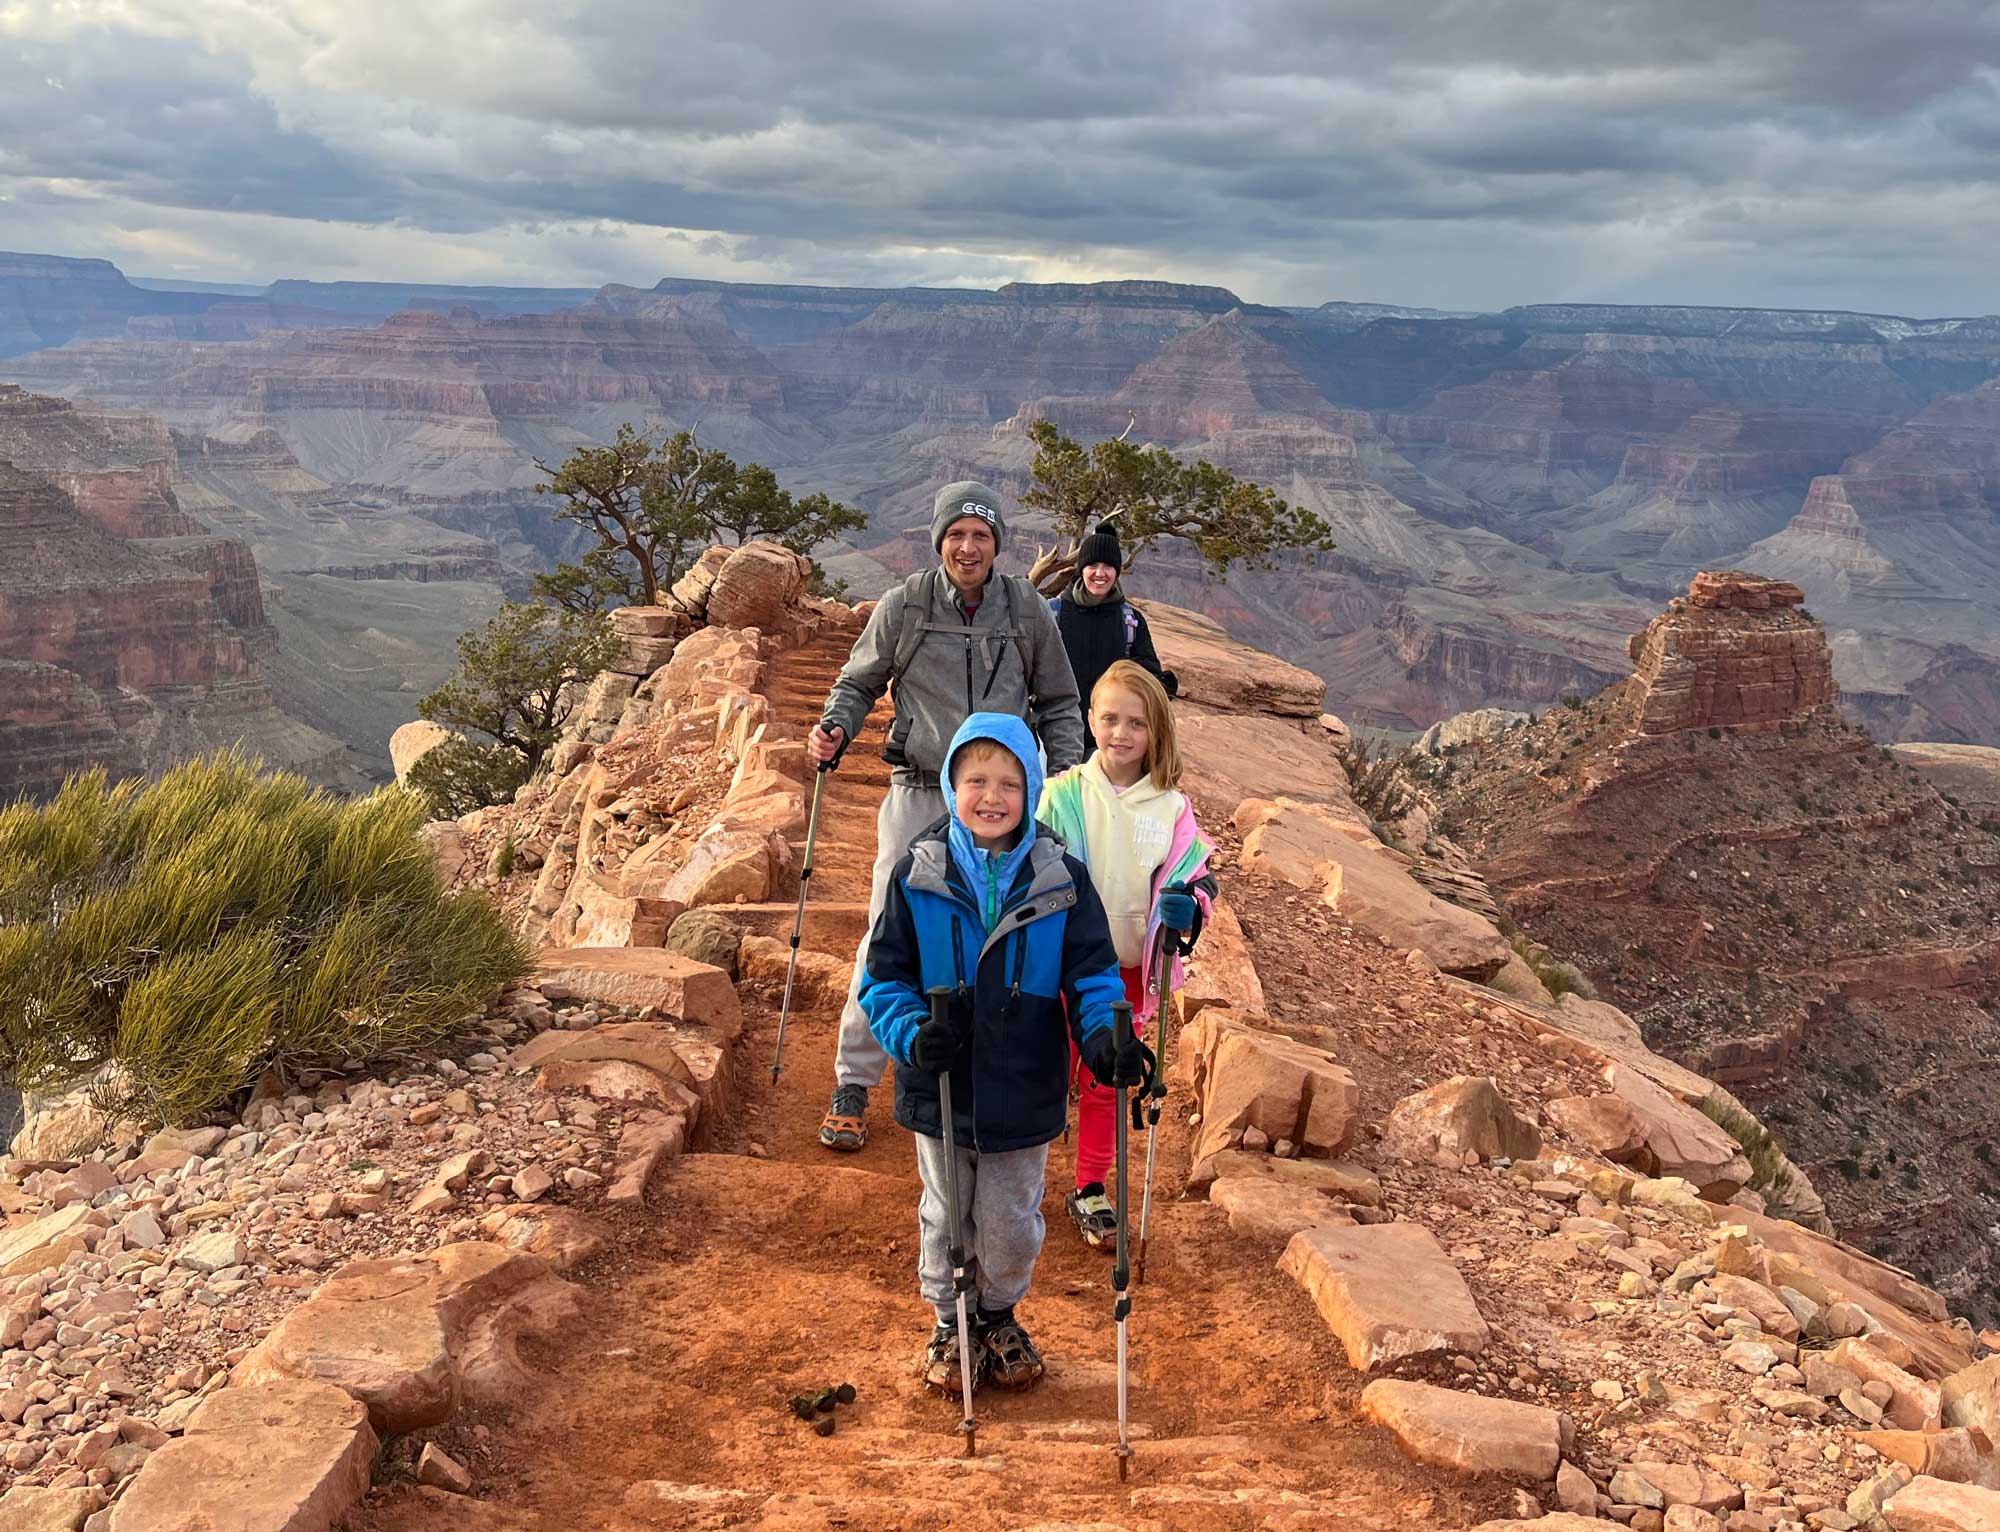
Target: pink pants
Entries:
(1095, 1131)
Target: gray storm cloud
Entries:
(1468, 155)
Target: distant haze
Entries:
(1797, 153)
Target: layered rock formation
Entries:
(1738, 654)
(1778, 902)
(1499, 485)
(130, 632)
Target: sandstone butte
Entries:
(568, 1272)
(1778, 901)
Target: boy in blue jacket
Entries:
(999, 913)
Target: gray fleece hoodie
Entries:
(1006, 657)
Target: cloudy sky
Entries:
(1457, 153)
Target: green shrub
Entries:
(1558, 977)
(190, 932)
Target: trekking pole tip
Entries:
(1124, 1461)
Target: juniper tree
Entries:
(650, 509)
(1153, 494)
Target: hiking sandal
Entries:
(937, 1363)
(844, 1129)
(1094, 1216)
(1011, 1358)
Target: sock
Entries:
(988, 1318)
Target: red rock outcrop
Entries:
(1737, 654)
(125, 626)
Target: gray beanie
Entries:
(968, 497)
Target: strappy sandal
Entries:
(1011, 1358)
(1094, 1216)
(937, 1363)
(844, 1129)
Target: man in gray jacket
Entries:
(955, 640)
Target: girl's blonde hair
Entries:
(1163, 748)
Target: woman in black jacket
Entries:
(1099, 626)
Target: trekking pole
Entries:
(799, 915)
(1121, 1022)
(1155, 1095)
(961, 1273)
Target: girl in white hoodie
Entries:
(1121, 812)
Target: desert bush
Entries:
(1380, 776)
(1558, 977)
(171, 940)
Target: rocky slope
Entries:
(1512, 492)
(1426, 1251)
(1779, 902)
(131, 632)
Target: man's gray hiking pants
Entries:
(905, 814)
(1000, 1196)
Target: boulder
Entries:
(1264, 1207)
(565, 1237)
(28, 1239)
(691, 590)
(26, 1508)
(607, 918)
(412, 742)
(1758, 1302)
(1555, 1521)
(1348, 1185)
(1971, 1398)
(1221, 972)
(1677, 1484)
(639, 977)
(1931, 1505)
(707, 938)
(1607, 1125)
(68, 1127)
(1463, 1115)
(758, 586)
(822, 980)
(1225, 673)
(1467, 1433)
(729, 867)
(1247, 1077)
(412, 1336)
(646, 1142)
(1914, 1405)
(1956, 1454)
(1387, 1291)
(1679, 1140)
(288, 1456)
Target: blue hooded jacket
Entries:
(1041, 970)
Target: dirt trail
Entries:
(772, 1267)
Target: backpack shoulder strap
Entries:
(912, 627)
(1018, 626)
(1131, 627)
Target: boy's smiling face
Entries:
(989, 794)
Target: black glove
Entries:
(936, 1046)
(1132, 1066)
(1171, 682)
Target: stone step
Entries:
(830, 925)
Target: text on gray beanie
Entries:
(968, 497)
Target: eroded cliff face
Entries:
(1520, 484)
(119, 612)
(1778, 901)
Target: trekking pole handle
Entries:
(1121, 1022)
(838, 750)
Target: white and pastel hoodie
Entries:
(1135, 842)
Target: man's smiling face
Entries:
(968, 549)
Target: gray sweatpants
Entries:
(1001, 1198)
(905, 814)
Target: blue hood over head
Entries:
(1008, 730)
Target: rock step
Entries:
(833, 926)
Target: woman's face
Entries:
(1099, 578)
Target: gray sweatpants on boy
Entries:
(905, 814)
(1001, 1198)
